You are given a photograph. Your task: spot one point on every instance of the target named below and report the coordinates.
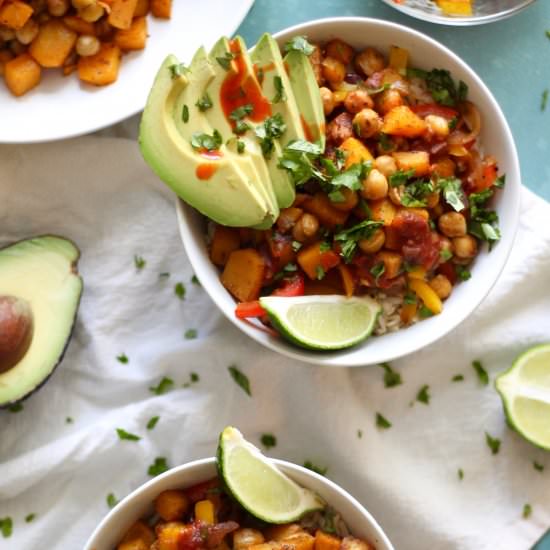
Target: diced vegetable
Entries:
(15, 14)
(422, 212)
(204, 511)
(171, 505)
(392, 263)
(347, 280)
(425, 109)
(224, 241)
(244, 274)
(161, 8)
(292, 286)
(383, 211)
(419, 161)
(300, 541)
(53, 43)
(102, 68)
(244, 310)
(399, 59)
(139, 531)
(402, 121)
(417, 272)
(428, 296)
(122, 12)
(22, 74)
(170, 534)
(324, 541)
(315, 261)
(137, 544)
(133, 38)
(78, 25)
(320, 206)
(356, 151)
(408, 312)
(142, 8)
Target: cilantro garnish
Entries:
(483, 222)
(179, 290)
(462, 273)
(152, 422)
(299, 44)
(538, 467)
(6, 527)
(178, 69)
(350, 237)
(423, 395)
(165, 385)
(225, 60)
(359, 434)
(452, 192)
(382, 422)
(445, 254)
(416, 193)
(112, 501)
(15, 408)
(544, 100)
(240, 378)
(527, 511)
(268, 440)
(280, 91)
(410, 298)
(378, 270)
(272, 128)
(391, 377)
(385, 142)
(298, 157)
(190, 334)
(453, 122)
(460, 474)
(139, 262)
(158, 467)
(122, 358)
(441, 85)
(240, 147)
(206, 141)
(296, 245)
(69, 420)
(457, 378)
(373, 91)
(352, 177)
(204, 103)
(193, 379)
(195, 280)
(127, 436)
(400, 177)
(314, 468)
(164, 275)
(481, 373)
(30, 518)
(492, 443)
(424, 312)
(185, 113)
(240, 112)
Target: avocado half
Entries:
(40, 291)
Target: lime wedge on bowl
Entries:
(258, 485)
(525, 392)
(323, 322)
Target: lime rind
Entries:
(512, 386)
(278, 309)
(258, 485)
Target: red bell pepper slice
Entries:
(249, 309)
(292, 286)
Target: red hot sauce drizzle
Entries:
(205, 170)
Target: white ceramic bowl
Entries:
(140, 503)
(497, 140)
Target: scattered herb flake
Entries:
(481, 373)
(271, 129)
(240, 378)
(391, 377)
(268, 440)
(359, 434)
(122, 358)
(225, 60)
(179, 290)
(139, 262)
(240, 112)
(445, 254)
(457, 378)
(382, 422)
(460, 474)
(423, 395)
(30, 518)
(280, 91)
(164, 275)
(401, 177)
(538, 467)
(441, 85)
(544, 100)
(492, 443)
(127, 436)
(206, 141)
(190, 334)
(6, 527)
(204, 103)
(240, 147)
(314, 468)
(410, 298)
(158, 467)
(462, 273)
(152, 422)
(195, 280)
(300, 44)
(378, 270)
(185, 114)
(452, 192)
(424, 312)
(527, 511)
(350, 237)
(296, 245)
(15, 408)
(69, 420)
(165, 385)
(112, 501)
(178, 69)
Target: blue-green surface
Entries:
(511, 56)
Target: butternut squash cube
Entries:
(139, 531)
(402, 121)
(324, 541)
(53, 43)
(78, 25)
(419, 161)
(171, 505)
(244, 274)
(102, 68)
(22, 74)
(133, 38)
(161, 8)
(15, 14)
(142, 8)
(224, 241)
(122, 13)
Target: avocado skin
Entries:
(74, 270)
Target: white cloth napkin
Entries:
(98, 192)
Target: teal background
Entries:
(511, 56)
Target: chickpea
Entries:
(87, 45)
(387, 100)
(243, 538)
(375, 186)
(452, 224)
(305, 227)
(92, 13)
(465, 247)
(374, 243)
(338, 49)
(369, 61)
(287, 218)
(58, 8)
(395, 193)
(367, 123)
(437, 125)
(27, 33)
(328, 100)
(350, 200)
(441, 286)
(333, 70)
(386, 165)
(357, 100)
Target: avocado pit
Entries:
(16, 330)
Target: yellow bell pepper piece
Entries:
(417, 272)
(204, 511)
(399, 59)
(427, 295)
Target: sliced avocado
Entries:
(269, 66)
(40, 293)
(306, 92)
(228, 196)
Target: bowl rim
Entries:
(286, 467)
(340, 358)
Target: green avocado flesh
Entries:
(198, 129)
(39, 285)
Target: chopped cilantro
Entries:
(527, 511)
(382, 422)
(350, 237)
(240, 378)
(353, 177)
(194, 377)
(481, 373)
(385, 142)
(165, 385)
(391, 377)
(112, 501)
(416, 193)
(6, 527)
(298, 157)
(139, 262)
(296, 245)
(500, 182)
(280, 91)
(241, 127)
(378, 270)
(190, 334)
(423, 395)
(179, 290)
(538, 467)
(240, 147)
(359, 434)
(158, 467)
(544, 100)
(272, 128)
(483, 222)
(178, 69)
(492, 443)
(424, 312)
(15, 408)
(300, 44)
(240, 112)
(462, 273)
(453, 122)
(290, 267)
(30, 518)
(410, 298)
(206, 141)
(452, 192)
(152, 422)
(69, 420)
(445, 254)
(380, 89)
(314, 468)
(268, 440)
(164, 275)
(460, 474)
(457, 378)
(195, 280)
(127, 436)
(441, 85)
(122, 358)
(185, 113)
(204, 103)
(401, 177)
(225, 60)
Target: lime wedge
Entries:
(258, 485)
(323, 322)
(525, 392)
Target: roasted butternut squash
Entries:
(133, 38)
(22, 74)
(244, 274)
(15, 14)
(53, 43)
(161, 8)
(102, 68)
(122, 13)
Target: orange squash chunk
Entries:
(224, 241)
(15, 14)
(133, 38)
(102, 68)
(52, 44)
(161, 8)
(78, 25)
(402, 121)
(244, 274)
(22, 74)
(122, 13)
(142, 8)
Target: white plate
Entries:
(61, 107)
